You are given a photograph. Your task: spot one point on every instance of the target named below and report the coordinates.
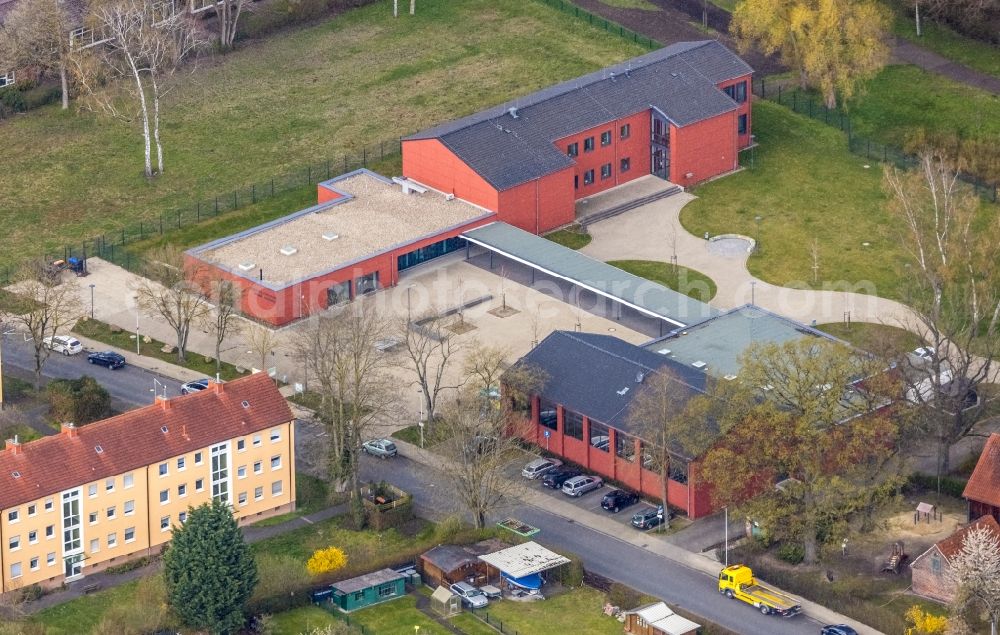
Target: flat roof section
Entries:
(373, 216)
(524, 559)
(643, 295)
(715, 345)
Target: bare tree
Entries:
(975, 572)
(169, 290)
(128, 76)
(223, 318)
(953, 288)
(355, 387)
(262, 341)
(413, 7)
(430, 349)
(46, 309)
(228, 14)
(36, 33)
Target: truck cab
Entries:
(737, 582)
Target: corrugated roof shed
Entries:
(678, 80)
(524, 559)
(367, 580)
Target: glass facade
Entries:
(366, 284)
(429, 252)
(339, 294)
(547, 414)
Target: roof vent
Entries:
(673, 74)
(449, 197)
(163, 429)
(699, 364)
(289, 250)
(513, 112)
(331, 236)
(664, 351)
(245, 404)
(15, 474)
(729, 377)
(98, 449)
(639, 376)
(247, 266)
(621, 393)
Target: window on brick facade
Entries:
(626, 131)
(588, 144)
(606, 138)
(741, 124)
(576, 181)
(737, 92)
(573, 424)
(588, 177)
(606, 171)
(573, 149)
(626, 165)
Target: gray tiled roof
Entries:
(367, 580)
(599, 375)
(679, 80)
(644, 295)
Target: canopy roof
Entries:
(523, 560)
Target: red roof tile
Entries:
(135, 439)
(953, 543)
(984, 484)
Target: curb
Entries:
(151, 364)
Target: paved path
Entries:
(910, 53)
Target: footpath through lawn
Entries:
(302, 96)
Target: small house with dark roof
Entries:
(930, 569)
(681, 113)
(983, 489)
(447, 564)
(368, 589)
(581, 412)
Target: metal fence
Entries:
(117, 246)
(786, 93)
(607, 25)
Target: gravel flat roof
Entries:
(373, 216)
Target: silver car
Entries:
(580, 485)
(471, 596)
(382, 448)
(536, 468)
(63, 344)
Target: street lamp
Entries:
(136, 298)
(757, 219)
(726, 509)
(753, 292)
(409, 316)
(420, 424)
(92, 285)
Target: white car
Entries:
(538, 467)
(580, 485)
(925, 352)
(64, 344)
(471, 596)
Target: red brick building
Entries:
(983, 489)
(930, 569)
(681, 113)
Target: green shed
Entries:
(368, 589)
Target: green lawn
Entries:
(728, 5)
(571, 237)
(302, 620)
(681, 279)
(944, 41)
(644, 5)
(299, 97)
(311, 495)
(873, 337)
(471, 625)
(100, 331)
(580, 607)
(805, 184)
(397, 617)
(83, 614)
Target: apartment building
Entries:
(99, 495)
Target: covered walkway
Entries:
(590, 284)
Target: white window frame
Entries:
(128, 480)
(112, 540)
(164, 496)
(13, 516)
(7, 79)
(281, 488)
(126, 533)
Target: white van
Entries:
(538, 467)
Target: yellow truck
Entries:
(737, 582)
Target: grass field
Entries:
(687, 281)
(300, 96)
(571, 237)
(397, 617)
(580, 607)
(805, 184)
(873, 337)
(944, 41)
(301, 621)
(83, 614)
(644, 5)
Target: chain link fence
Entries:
(116, 246)
(607, 25)
(786, 93)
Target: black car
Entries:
(556, 478)
(108, 359)
(647, 518)
(618, 499)
(838, 629)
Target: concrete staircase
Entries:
(610, 212)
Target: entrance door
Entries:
(74, 566)
(659, 151)
(661, 163)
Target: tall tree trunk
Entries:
(156, 122)
(218, 355)
(413, 7)
(830, 98)
(665, 476)
(145, 118)
(395, 8)
(64, 81)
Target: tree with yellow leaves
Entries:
(924, 623)
(326, 561)
(834, 45)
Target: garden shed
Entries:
(446, 564)
(368, 589)
(658, 619)
(445, 603)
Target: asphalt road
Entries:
(129, 386)
(602, 554)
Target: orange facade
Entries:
(618, 152)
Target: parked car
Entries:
(491, 592)
(837, 629)
(538, 467)
(108, 359)
(647, 518)
(618, 499)
(580, 485)
(382, 448)
(63, 344)
(194, 386)
(471, 596)
(556, 478)
(926, 353)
